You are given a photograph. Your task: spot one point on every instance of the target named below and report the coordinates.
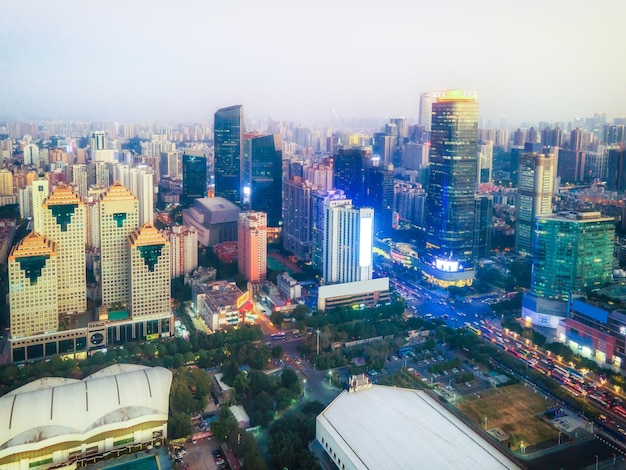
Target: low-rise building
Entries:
(363, 293)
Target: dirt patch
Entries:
(515, 409)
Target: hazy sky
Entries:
(299, 59)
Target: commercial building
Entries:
(220, 304)
(319, 199)
(119, 217)
(63, 220)
(368, 293)
(56, 421)
(228, 136)
(214, 219)
(266, 177)
(296, 233)
(449, 218)
(373, 426)
(348, 243)
(534, 196)
(350, 166)
(252, 245)
(194, 176)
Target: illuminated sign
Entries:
(243, 299)
(447, 265)
(366, 241)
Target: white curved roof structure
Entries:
(54, 410)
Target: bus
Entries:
(277, 336)
(574, 374)
(474, 330)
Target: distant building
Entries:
(67, 423)
(194, 176)
(266, 176)
(296, 233)
(215, 220)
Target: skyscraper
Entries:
(319, 199)
(451, 188)
(228, 137)
(350, 165)
(119, 217)
(149, 278)
(296, 233)
(33, 300)
(534, 196)
(572, 251)
(348, 243)
(379, 194)
(252, 244)
(426, 103)
(194, 176)
(266, 177)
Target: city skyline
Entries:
(142, 61)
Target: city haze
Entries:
(304, 61)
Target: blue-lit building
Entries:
(194, 176)
(228, 137)
(350, 167)
(453, 175)
(266, 176)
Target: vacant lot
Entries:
(514, 409)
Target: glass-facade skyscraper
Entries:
(449, 220)
(194, 177)
(266, 177)
(228, 138)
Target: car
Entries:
(217, 453)
(219, 461)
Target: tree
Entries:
(300, 312)
(288, 378)
(179, 425)
(277, 319)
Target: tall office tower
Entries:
(483, 225)
(266, 178)
(409, 203)
(149, 274)
(596, 164)
(25, 200)
(546, 136)
(451, 188)
(613, 134)
(39, 193)
(168, 165)
(426, 104)
(534, 196)
(252, 245)
(571, 165)
(319, 199)
(183, 249)
(64, 222)
(502, 138)
(33, 301)
(228, 138)
(348, 243)
(616, 180)
(350, 168)
(140, 182)
(379, 195)
(402, 124)
(119, 217)
(296, 233)
(80, 180)
(556, 139)
(485, 161)
(572, 251)
(97, 141)
(576, 140)
(6, 182)
(384, 146)
(194, 176)
(31, 154)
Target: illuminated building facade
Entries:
(348, 243)
(449, 220)
(228, 137)
(252, 245)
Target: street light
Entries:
(596, 462)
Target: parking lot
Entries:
(199, 456)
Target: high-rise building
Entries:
(296, 232)
(483, 226)
(426, 103)
(119, 217)
(194, 176)
(534, 196)
(33, 301)
(348, 243)
(379, 195)
(266, 177)
(616, 180)
(252, 245)
(140, 182)
(41, 190)
(350, 165)
(80, 179)
(149, 277)
(168, 165)
(228, 137)
(6, 182)
(572, 251)
(183, 249)
(97, 141)
(485, 161)
(319, 199)
(63, 220)
(451, 189)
